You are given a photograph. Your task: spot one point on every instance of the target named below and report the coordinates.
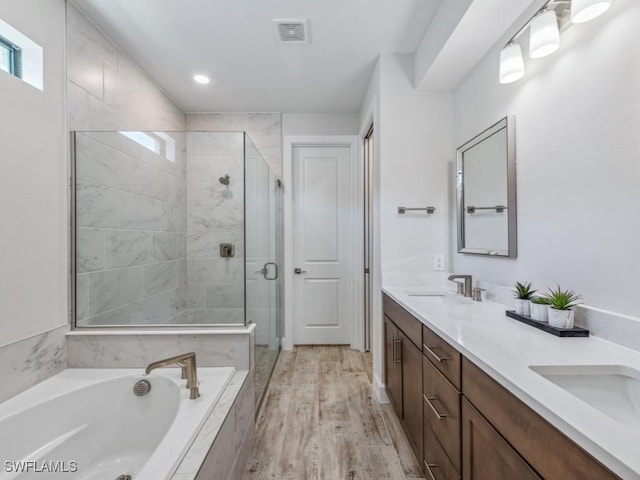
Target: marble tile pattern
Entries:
(99, 350)
(265, 130)
(215, 215)
(131, 237)
(107, 91)
(30, 361)
(223, 444)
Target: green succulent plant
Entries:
(524, 291)
(562, 299)
(540, 300)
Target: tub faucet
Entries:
(467, 284)
(187, 361)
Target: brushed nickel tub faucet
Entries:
(187, 361)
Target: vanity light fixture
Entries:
(584, 10)
(544, 32)
(201, 79)
(511, 63)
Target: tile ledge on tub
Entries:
(169, 331)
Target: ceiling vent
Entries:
(291, 31)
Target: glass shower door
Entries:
(262, 267)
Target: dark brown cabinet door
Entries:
(485, 454)
(412, 393)
(393, 365)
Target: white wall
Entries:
(320, 124)
(578, 162)
(415, 143)
(33, 192)
(411, 150)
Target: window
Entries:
(156, 142)
(10, 57)
(20, 56)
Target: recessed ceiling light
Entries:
(203, 79)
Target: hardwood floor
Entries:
(319, 420)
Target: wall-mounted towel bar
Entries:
(497, 208)
(429, 210)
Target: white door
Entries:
(322, 214)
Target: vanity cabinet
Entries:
(547, 450)
(403, 370)
(469, 426)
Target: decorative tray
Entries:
(557, 331)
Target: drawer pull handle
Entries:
(433, 407)
(429, 467)
(435, 355)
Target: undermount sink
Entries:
(612, 389)
(438, 298)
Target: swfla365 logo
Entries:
(44, 466)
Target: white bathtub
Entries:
(89, 420)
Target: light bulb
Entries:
(585, 10)
(511, 63)
(201, 79)
(544, 36)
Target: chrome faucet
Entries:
(467, 284)
(187, 361)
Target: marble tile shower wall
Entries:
(215, 216)
(107, 91)
(131, 215)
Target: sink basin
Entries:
(612, 389)
(438, 298)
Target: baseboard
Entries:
(379, 390)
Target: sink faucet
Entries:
(187, 361)
(467, 283)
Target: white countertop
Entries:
(505, 349)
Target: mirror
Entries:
(487, 192)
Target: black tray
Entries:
(557, 331)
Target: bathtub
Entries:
(87, 424)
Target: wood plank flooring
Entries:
(319, 421)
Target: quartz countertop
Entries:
(505, 349)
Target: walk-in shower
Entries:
(176, 229)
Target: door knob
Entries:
(298, 271)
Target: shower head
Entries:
(225, 180)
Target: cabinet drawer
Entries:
(442, 355)
(410, 325)
(546, 449)
(436, 464)
(441, 410)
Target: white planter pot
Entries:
(539, 312)
(561, 318)
(522, 307)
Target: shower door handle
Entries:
(265, 271)
(275, 272)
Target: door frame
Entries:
(356, 263)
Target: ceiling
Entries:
(233, 42)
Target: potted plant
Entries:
(540, 309)
(561, 303)
(523, 293)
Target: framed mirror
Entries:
(487, 192)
